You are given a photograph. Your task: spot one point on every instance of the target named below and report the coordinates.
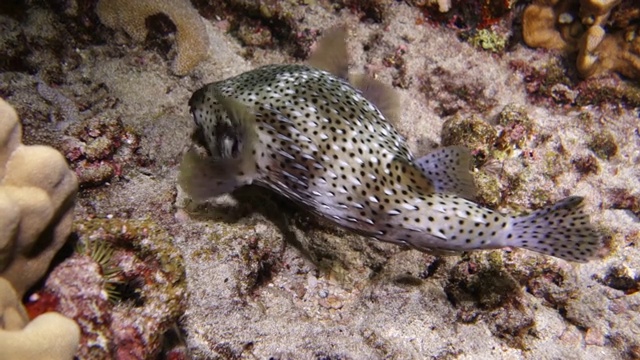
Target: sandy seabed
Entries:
(267, 280)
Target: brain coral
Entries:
(37, 195)
(191, 35)
(49, 336)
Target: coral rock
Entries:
(191, 37)
(13, 316)
(37, 194)
(149, 298)
(596, 12)
(601, 53)
(49, 336)
(549, 24)
(569, 26)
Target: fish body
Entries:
(316, 138)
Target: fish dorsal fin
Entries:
(331, 53)
(411, 175)
(231, 164)
(381, 95)
(448, 169)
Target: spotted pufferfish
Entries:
(326, 140)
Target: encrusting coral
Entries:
(37, 195)
(49, 336)
(191, 37)
(124, 285)
(571, 25)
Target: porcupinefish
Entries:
(308, 133)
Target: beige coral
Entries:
(601, 53)
(570, 25)
(191, 36)
(37, 195)
(49, 336)
(551, 25)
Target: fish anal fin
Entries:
(331, 53)
(448, 168)
(381, 95)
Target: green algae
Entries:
(517, 127)
(603, 144)
(482, 289)
(488, 40)
(473, 133)
(489, 190)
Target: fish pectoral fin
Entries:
(239, 113)
(331, 54)
(237, 140)
(448, 169)
(203, 177)
(381, 95)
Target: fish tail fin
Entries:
(448, 168)
(562, 230)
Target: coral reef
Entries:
(376, 10)
(100, 149)
(488, 40)
(270, 280)
(264, 24)
(517, 127)
(605, 40)
(604, 145)
(37, 194)
(49, 336)
(552, 82)
(551, 25)
(483, 290)
(467, 15)
(191, 37)
(472, 133)
(125, 288)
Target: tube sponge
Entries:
(37, 196)
(191, 36)
(49, 336)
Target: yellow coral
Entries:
(37, 194)
(191, 36)
(551, 25)
(570, 25)
(49, 336)
(601, 53)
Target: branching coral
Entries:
(37, 194)
(191, 37)
(570, 25)
(49, 336)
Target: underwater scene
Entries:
(319, 179)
